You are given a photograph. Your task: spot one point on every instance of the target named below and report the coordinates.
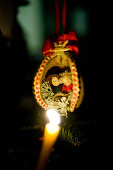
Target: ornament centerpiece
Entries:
(56, 84)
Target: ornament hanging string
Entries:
(70, 36)
(64, 15)
(58, 16)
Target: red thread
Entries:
(64, 15)
(57, 16)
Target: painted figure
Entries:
(54, 82)
(66, 80)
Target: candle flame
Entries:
(52, 129)
(50, 135)
(53, 116)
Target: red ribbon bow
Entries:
(67, 88)
(71, 45)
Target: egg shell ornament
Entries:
(58, 59)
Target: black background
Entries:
(20, 148)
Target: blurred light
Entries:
(30, 18)
(80, 21)
(53, 117)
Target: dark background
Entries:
(18, 65)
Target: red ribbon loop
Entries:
(72, 44)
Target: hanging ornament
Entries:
(57, 84)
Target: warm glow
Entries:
(52, 129)
(50, 135)
(53, 117)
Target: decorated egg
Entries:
(56, 84)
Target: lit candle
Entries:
(50, 135)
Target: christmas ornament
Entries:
(57, 84)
